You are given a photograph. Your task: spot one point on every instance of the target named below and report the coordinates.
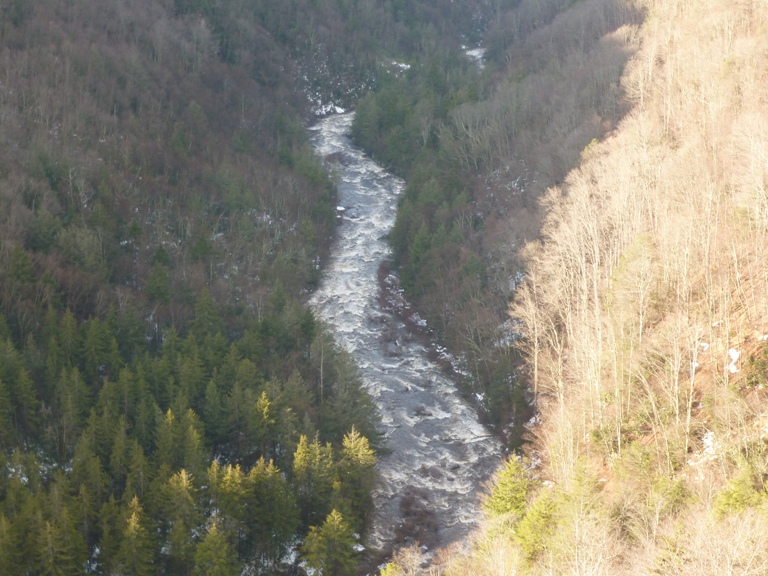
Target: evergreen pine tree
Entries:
(230, 492)
(357, 475)
(215, 555)
(273, 515)
(329, 548)
(313, 478)
(261, 422)
(194, 457)
(69, 338)
(139, 471)
(118, 459)
(183, 517)
(10, 549)
(110, 534)
(213, 413)
(27, 406)
(94, 350)
(509, 494)
(136, 552)
(207, 318)
(6, 418)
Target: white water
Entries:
(441, 454)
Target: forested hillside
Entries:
(478, 146)
(643, 310)
(584, 225)
(167, 402)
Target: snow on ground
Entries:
(477, 55)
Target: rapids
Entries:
(441, 455)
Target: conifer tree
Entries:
(10, 549)
(237, 413)
(329, 548)
(71, 407)
(313, 478)
(261, 421)
(94, 349)
(139, 472)
(207, 318)
(85, 512)
(27, 417)
(157, 289)
(229, 490)
(191, 378)
(136, 553)
(215, 555)
(509, 494)
(165, 445)
(111, 533)
(87, 469)
(74, 551)
(58, 548)
(357, 474)
(118, 459)
(6, 418)
(183, 517)
(69, 338)
(273, 515)
(193, 453)
(214, 414)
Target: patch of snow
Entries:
(708, 454)
(477, 55)
(321, 109)
(704, 346)
(734, 355)
(709, 442)
(418, 320)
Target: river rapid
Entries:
(429, 484)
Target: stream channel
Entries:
(429, 484)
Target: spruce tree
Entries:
(10, 561)
(357, 475)
(273, 514)
(6, 418)
(509, 494)
(182, 515)
(329, 548)
(215, 555)
(136, 553)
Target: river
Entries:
(429, 484)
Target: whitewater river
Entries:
(440, 454)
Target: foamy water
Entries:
(440, 453)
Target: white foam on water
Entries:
(439, 450)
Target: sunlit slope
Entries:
(645, 314)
